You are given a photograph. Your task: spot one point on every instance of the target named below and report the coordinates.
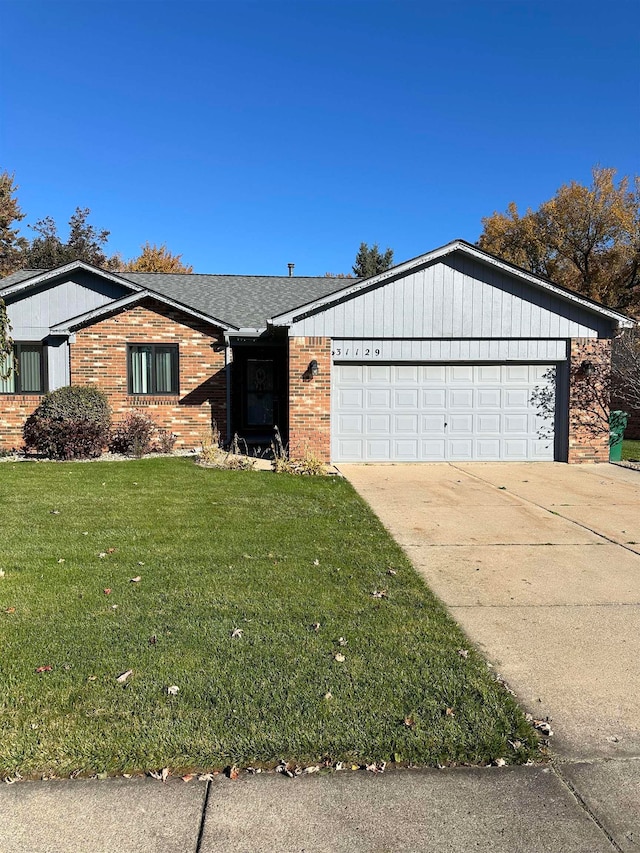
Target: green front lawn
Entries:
(217, 551)
(631, 450)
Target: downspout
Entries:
(228, 359)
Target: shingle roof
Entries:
(244, 301)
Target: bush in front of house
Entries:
(70, 423)
(132, 436)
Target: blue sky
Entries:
(249, 134)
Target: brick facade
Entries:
(310, 398)
(98, 356)
(588, 401)
(14, 410)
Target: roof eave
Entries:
(47, 275)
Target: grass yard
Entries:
(631, 450)
(217, 551)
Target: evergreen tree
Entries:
(370, 261)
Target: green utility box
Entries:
(617, 425)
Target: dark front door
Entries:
(259, 391)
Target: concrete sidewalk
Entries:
(503, 810)
(540, 564)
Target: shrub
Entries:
(132, 435)
(70, 423)
(166, 441)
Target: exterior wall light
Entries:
(587, 368)
(313, 368)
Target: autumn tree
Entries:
(12, 245)
(370, 261)
(584, 238)
(157, 259)
(85, 243)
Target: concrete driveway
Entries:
(540, 565)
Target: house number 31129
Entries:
(354, 352)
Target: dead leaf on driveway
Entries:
(123, 677)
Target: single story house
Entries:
(439, 358)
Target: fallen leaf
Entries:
(153, 640)
(377, 767)
(173, 690)
(34, 725)
(187, 778)
(232, 772)
(391, 572)
(123, 677)
(316, 562)
(464, 653)
(543, 726)
(328, 695)
(140, 564)
(450, 712)
(515, 744)
(339, 765)
(91, 677)
(316, 626)
(205, 777)
(499, 762)
(10, 610)
(107, 591)
(1, 573)
(61, 560)
(46, 668)
(114, 606)
(236, 633)
(355, 767)
(165, 774)
(409, 722)
(55, 512)
(135, 580)
(313, 768)
(102, 554)
(339, 657)
(342, 641)
(379, 593)
(85, 532)
(111, 550)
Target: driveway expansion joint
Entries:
(583, 805)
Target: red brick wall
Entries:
(99, 357)
(310, 398)
(14, 410)
(588, 401)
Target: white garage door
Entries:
(432, 413)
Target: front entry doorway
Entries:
(259, 392)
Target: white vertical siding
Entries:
(454, 298)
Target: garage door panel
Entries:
(432, 423)
(404, 398)
(378, 423)
(434, 398)
(411, 412)
(378, 450)
(378, 373)
(488, 398)
(488, 424)
(378, 398)
(487, 449)
(460, 424)
(461, 398)
(351, 398)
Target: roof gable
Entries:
(421, 261)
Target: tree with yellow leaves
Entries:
(584, 238)
(157, 259)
